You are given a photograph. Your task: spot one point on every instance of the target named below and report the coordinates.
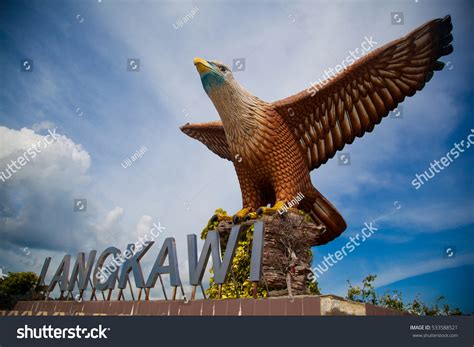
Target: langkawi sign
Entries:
(101, 276)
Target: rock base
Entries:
(287, 255)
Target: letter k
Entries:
(370, 227)
(370, 41)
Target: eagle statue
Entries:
(275, 145)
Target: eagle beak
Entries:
(202, 65)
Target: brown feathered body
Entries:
(267, 158)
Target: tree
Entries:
(17, 286)
(394, 300)
(364, 294)
(18, 283)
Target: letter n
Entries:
(82, 272)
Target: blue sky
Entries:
(104, 113)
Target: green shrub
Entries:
(394, 300)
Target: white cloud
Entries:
(61, 160)
(434, 217)
(104, 228)
(144, 225)
(43, 125)
(36, 202)
(397, 272)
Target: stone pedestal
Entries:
(287, 252)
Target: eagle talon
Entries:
(236, 219)
(219, 217)
(214, 218)
(249, 216)
(239, 216)
(277, 208)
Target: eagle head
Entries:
(214, 75)
(235, 105)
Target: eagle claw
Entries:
(214, 218)
(236, 220)
(247, 217)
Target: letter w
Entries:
(211, 244)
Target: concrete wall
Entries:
(324, 305)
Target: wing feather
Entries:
(212, 135)
(357, 99)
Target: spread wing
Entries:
(212, 135)
(330, 115)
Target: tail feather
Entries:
(323, 212)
